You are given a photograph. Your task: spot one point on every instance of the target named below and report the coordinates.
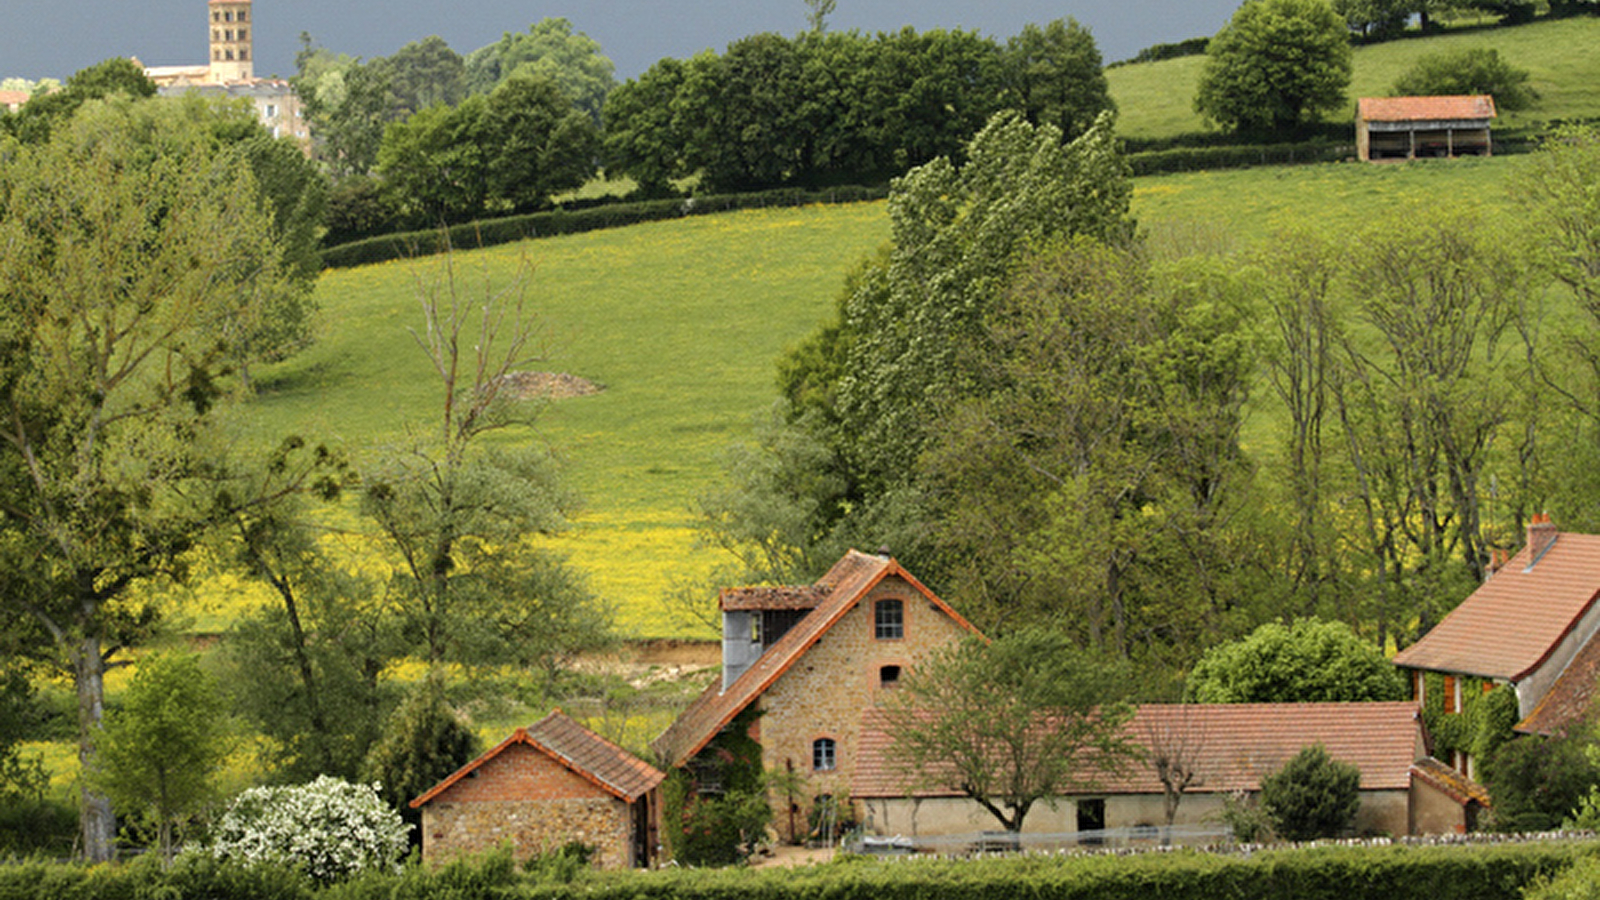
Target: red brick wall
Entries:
(521, 772)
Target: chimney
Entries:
(1541, 534)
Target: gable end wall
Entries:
(525, 797)
(825, 692)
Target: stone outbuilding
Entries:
(1417, 127)
(544, 787)
(1229, 747)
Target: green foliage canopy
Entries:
(1306, 662)
(131, 243)
(1277, 64)
(1468, 70)
(162, 748)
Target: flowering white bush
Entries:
(330, 827)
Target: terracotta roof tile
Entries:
(1452, 783)
(1426, 109)
(846, 583)
(582, 751)
(1237, 743)
(1513, 621)
(764, 598)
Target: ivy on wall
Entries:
(1485, 720)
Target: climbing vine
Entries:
(1485, 721)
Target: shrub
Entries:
(1537, 782)
(332, 828)
(1580, 882)
(1312, 796)
(1469, 70)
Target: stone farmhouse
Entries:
(547, 785)
(815, 660)
(811, 660)
(1414, 127)
(1531, 626)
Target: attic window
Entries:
(889, 620)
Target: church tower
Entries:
(231, 41)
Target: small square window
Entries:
(889, 620)
(889, 677)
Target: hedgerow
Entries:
(493, 232)
(1338, 872)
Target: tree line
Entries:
(151, 249)
(501, 130)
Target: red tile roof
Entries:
(1425, 109)
(764, 598)
(1511, 624)
(1569, 700)
(582, 751)
(1237, 744)
(846, 583)
(1450, 782)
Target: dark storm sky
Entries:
(54, 38)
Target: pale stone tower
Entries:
(231, 41)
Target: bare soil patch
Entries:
(546, 386)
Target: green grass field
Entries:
(681, 321)
(1156, 100)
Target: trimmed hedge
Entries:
(575, 221)
(1450, 872)
(1190, 159)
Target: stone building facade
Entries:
(546, 786)
(812, 659)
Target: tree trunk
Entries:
(97, 823)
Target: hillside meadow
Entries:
(680, 323)
(1156, 100)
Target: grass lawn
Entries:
(1156, 100)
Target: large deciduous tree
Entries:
(1087, 483)
(1277, 64)
(129, 243)
(865, 391)
(1056, 77)
(1011, 723)
(548, 49)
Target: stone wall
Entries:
(824, 693)
(526, 797)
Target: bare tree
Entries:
(1176, 745)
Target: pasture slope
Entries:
(681, 321)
